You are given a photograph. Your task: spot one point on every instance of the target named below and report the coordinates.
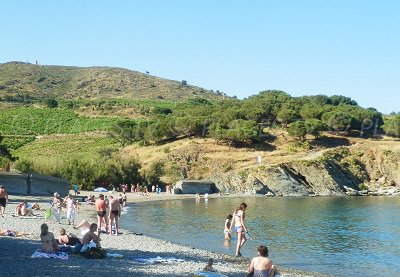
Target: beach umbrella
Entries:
(100, 189)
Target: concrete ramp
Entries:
(195, 186)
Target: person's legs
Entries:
(111, 219)
(84, 223)
(99, 220)
(56, 213)
(239, 242)
(3, 202)
(116, 224)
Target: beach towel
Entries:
(156, 260)
(58, 255)
(115, 255)
(208, 274)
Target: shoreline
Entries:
(127, 244)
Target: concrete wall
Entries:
(194, 186)
(14, 183)
(46, 185)
(18, 184)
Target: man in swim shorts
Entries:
(101, 208)
(115, 211)
(3, 200)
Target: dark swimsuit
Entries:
(3, 202)
(116, 212)
(101, 213)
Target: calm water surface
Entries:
(341, 236)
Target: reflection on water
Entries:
(338, 236)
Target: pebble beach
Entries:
(15, 257)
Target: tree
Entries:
(51, 103)
(311, 111)
(392, 126)
(242, 131)
(337, 121)
(152, 175)
(315, 127)
(298, 129)
(217, 131)
(337, 100)
(286, 115)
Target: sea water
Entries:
(341, 236)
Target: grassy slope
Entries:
(50, 152)
(90, 83)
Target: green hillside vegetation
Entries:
(54, 121)
(26, 82)
(45, 121)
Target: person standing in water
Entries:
(239, 227)
(115, 211)
(227, 227)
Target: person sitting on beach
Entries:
(35, 206)
(115, 211)
(91, 200)
(25, 211)
(91, 236)
(69, 239)
(18, 209)
(261, 266)
(49, 243)
(227, 227)
(209, 266)
(101, 208)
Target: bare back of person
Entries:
(100, 205)
(3, 193)
(49, 244)
(263, 267)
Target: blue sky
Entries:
(239, 47)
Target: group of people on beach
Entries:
(90, 239)
(108, 213)
(260, 266)
(67, 204)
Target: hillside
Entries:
(65, 82)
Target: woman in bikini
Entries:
(67, 239)
(240, 228)
(49, 243)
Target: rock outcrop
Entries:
(342, 171)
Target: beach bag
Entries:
(48, 213)
(94, 253)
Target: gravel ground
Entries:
(15, 254)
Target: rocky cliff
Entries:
(354, 170)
